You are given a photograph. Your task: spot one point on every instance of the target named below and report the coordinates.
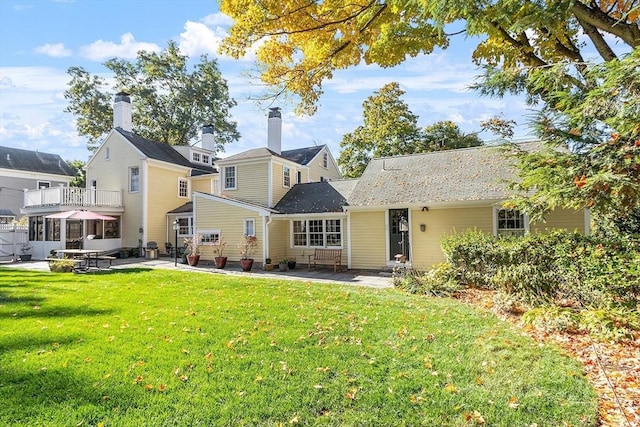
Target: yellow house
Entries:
(398, 211)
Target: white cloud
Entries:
(218, 19)
(127, 49)
(198, 39)
(56, 50)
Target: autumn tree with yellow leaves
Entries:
(534, 47)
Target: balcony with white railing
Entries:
(72, 196)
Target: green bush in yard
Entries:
(559, 267)
(439, 281)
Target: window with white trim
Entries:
(325, 160)
(230, 178)
(183, 187)
(205, 159)
(249, 227)
(510, 222)
(286, 176)
(317, 233)
(210, 237)
(185, 226)
(134, 179)
(43, 184)
(196, 157)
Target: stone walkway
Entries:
(367, 278)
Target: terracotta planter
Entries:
(221, 261)
(193, 260)
(246, 264)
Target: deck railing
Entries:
(72, 196)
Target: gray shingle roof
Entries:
(445, 176)
(33, 161)
(314, 197)
(302, 156)
(186, 208)
(163, 152)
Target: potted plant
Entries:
(282, 264)
(218, 249)
(247, 246)
(62, 266)
(26, 251)
(193, 249)
(291, 263)
(267, 264)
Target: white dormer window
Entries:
(205, 159)
(286, 176)
(325, 160)
(196, 157)
(230, 178)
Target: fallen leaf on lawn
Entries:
(450, 388)
(513, 402)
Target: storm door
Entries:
(398, 240)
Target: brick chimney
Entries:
(274, 130)
(208, 138)
(122, 112)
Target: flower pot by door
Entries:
(25, 257)
(282, 266)
(221, 261)
(193, 260)
(246, 264)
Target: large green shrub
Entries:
(542, 267)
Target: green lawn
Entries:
(166, 348)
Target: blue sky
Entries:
(41, 39)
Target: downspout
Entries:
(145, 202)
(348, 237)
(265, 233)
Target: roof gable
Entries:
(470, 174)
(33, 161)
(301, 156)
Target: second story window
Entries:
(286, 176)
(205, 159)
(134, 179)
(325, 160)
(196, 157)
(183, 187)
(230, 178)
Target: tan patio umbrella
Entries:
(80, 214)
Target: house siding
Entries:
(229, 219)
(251, 182)
(278, 241)
(317, 169)
(277, 174)
(561, 219)
(368, 240)
(205, 185)
(113, 174)
(162, 197)
(425, 246)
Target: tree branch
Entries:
(629, 33)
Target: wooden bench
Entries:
(333, 256)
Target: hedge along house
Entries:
(399, 210)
